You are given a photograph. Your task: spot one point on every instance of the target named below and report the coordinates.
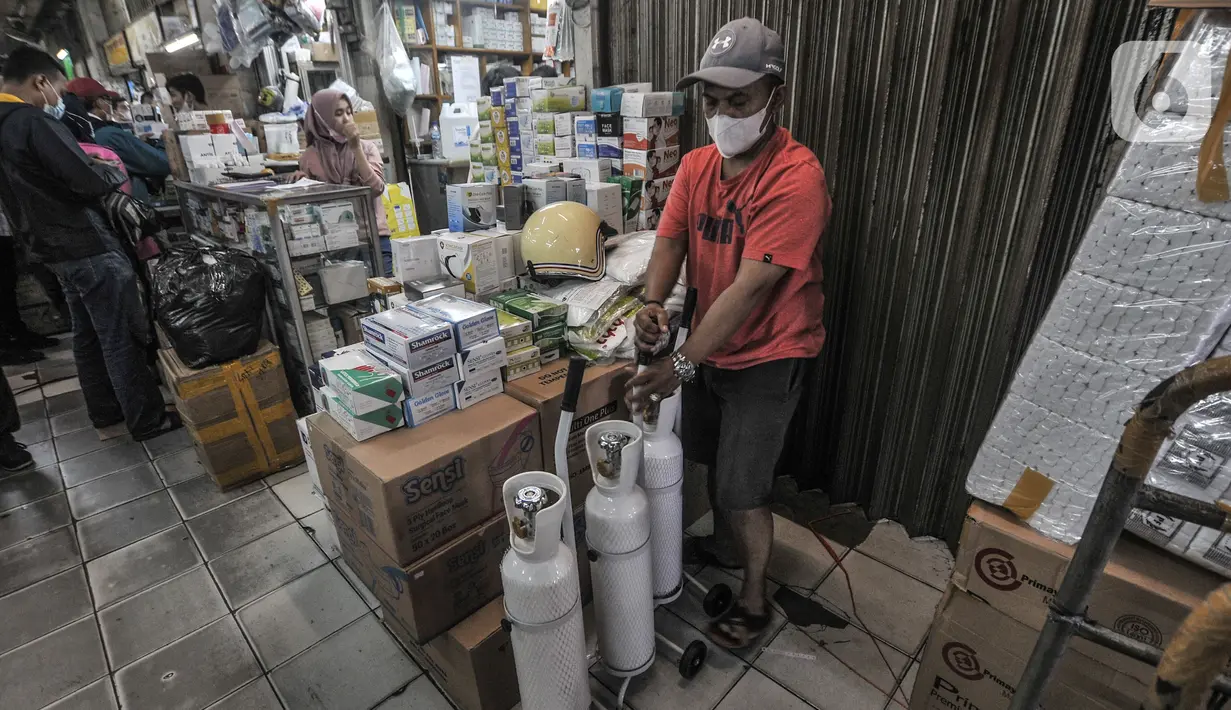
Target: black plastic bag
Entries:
(210, 303)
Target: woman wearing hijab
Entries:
(338, 156)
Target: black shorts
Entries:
(735, 422)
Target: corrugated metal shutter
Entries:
(965, 145)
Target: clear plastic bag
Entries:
(396, 74)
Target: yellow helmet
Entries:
(564, 239)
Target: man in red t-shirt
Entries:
(748, 213)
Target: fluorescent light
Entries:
(179, 43)
(62, 54)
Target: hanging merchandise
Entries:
(210, 302)
(397, 76)
(246, 27)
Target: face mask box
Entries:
(654, 193)
(609, 125)
(590, 170)
(470, 258)
(607, 201)
(541, 168)
(606, 99)
(564, 124)
(471, 206)
(558, 100)
(545, 123)
(652, 164)
(631, 190)
(472, 322)
(653, 103)
(574, 189)
(545, 145)
(410, 339)
(651, 133)
(611, 149)
(541, 192)
(504, 252)
(587, 150)
(564, 147)
(585, 126)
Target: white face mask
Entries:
(735, 136)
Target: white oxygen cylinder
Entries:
(618, 534)
(662, 477)
(542, 600)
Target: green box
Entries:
(538, 310)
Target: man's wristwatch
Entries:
(685, 370)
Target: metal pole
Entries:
(1132, 648)
(1174, 505)
(1107, 519)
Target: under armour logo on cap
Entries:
(723, 41)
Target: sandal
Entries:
(738, 628)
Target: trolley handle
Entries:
(690, 307)
(572, 385)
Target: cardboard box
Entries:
(651, 164)
(410, 339)
(477, 388)
(651, 133)
(362, 426)
(362, 382)
(413, 490)
(420, 410)
(541, 192)
(651, 103)
(574, 189)
(601, 398)
(975, 657)
(471, 206)
(487, 355)
(470, 258)
(414, 258)
(1145, 592)
(436, 592)
(472, 662)
(238, 414)
(473, 323)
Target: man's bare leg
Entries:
(754, 537)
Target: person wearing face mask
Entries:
(186, 91)
(53, 195)
(143, 162)
(338, 156)
(748, 213)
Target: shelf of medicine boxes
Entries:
(206, 219)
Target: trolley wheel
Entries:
(717, 600)
(693, 658)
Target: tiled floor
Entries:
(127, 580)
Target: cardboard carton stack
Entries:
(531, 104)
(996, 603)
(238, 414)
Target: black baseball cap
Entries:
(743, 51)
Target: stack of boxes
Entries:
(531, 105)
(482, 28)
(500, 134)
(442, 21)
(651, 129)
(483, 165)
(538, 33)
(548, 321)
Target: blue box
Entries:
(515, 163)
(606, 99)
(516, 178)
(587, 150)
(514, 124)
(611, 148)
(497, 96)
